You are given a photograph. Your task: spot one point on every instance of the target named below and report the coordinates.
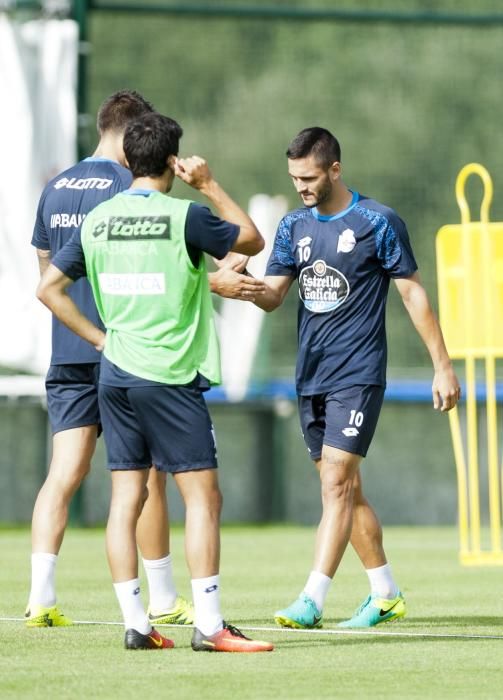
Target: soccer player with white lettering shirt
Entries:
(71, 383)
(343, 248)
(142, 252)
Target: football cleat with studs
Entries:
(181, 614)
(373, 611)
(228, 639)
(38, 616)
(152, 640)
(301, 614)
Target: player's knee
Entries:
(335, 487)
(83, 470)
(127, 503)
(67, 478)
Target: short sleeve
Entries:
(40, 238)
(281, 261)
(70, 258)
(393, 247)
(207, 232)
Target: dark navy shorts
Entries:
(165, 425)
(72, 396)
(345, 418)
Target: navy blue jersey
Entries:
(343, 265)
(63, 206)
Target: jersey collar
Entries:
(99, 159)
(143, 192)
(339, 215)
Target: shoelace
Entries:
(234, 631)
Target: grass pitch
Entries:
(263, 568)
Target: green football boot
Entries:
(301, 614)
(38, 616)
(182, 613)
(373, 611)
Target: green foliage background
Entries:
(410, 103)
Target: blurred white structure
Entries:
(38, 136)
(241, 322)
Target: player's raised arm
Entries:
(52, 292)
(445, 388)
(195, 172)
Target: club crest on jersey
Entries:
(322, 288)
(346, 241)
(132, 228)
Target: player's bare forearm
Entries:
(275, 290)
(52, 292)
(446, 389)
(234, 261)
(44, 260)
(64, 308)
(196, 173)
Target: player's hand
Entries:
(194, 171)
(100, 344)
(234, 261)
(231, 284)
(446, 390)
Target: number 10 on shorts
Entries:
(355, 418)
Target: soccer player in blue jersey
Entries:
(343, 248)
(72, 380)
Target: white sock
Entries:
(317, 588)
(43, 579)
(206, 597)
(382, 583)
(161, 586)
(133, 612)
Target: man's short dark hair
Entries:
(317, 142)
(118, 110)
(148, 143)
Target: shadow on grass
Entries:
(457, 621)
(299, 642)
(410, 621)
(449, 628)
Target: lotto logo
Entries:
(350, 432)
(131, 228)
(84, 183)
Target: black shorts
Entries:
(166, 426)
(72, 396)
(345, 418)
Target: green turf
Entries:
(262, 569)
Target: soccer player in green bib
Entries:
(142, 252)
